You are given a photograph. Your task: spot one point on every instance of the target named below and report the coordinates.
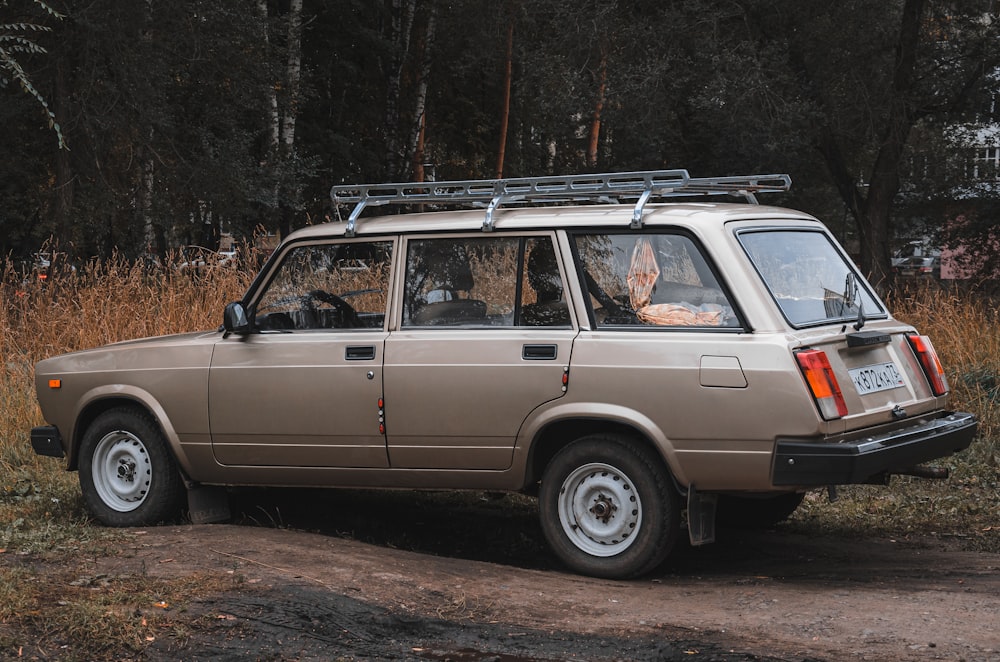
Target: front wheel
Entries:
(607, 507)
(127, 474)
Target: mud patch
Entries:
(296, 623)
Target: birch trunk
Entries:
(402, 13)
(293, 76)
(273, 124)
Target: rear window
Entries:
(811, 280)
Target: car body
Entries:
(919, 267)
(622, 361)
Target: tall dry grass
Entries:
(99, 303)
(115, 300)
(965, 329)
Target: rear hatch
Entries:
(862, 367)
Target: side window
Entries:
(328, 286)
(652, 279)
(543, 293)
(469, 281)
(484, 282)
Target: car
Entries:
(630, 348)
(197, 259)
(919, 267)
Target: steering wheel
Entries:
(348, 316)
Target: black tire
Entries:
(608, 508)
(756, 512)
(128, 475)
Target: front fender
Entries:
(101, 398)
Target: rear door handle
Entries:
(539, 352)
(359, 352)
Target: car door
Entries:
(485, 337)
(305, 388)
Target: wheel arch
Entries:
(101, 401)
(557, 433)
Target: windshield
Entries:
(809, 278)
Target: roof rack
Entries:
(606, 187)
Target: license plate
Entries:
(876, 377)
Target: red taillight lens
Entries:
(823, 383)
(933, 370)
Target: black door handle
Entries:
(539, 352)
(359, 352)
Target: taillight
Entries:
(933, 370)
(823, 383)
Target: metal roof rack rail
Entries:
(605, 187)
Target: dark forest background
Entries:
(139, 126)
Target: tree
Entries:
(16, 41)
(909, 61)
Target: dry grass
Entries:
(41, 513)
(42, 519)
(965, 332)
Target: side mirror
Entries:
(235, 320)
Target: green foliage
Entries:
(171, 107)
(17, 41)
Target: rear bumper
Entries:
(808, 464)
(46, 440)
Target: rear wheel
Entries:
(607, 507)
(127, 474)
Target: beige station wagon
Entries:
(611, 343)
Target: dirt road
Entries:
(751, 596)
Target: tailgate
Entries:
(880, 376)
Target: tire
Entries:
(608, 508)
(127, 473)
(756, 512)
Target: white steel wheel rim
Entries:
(122, 471)
(599, 509)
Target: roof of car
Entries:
(689, 214)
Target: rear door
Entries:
(485, 337)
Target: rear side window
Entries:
(809, 277)
(652, 280)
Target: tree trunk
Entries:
(594, 139)
(293, 76)
(873, 213)
(423, 76)
(290, 190)
(401, 12)
(418, 153)
(505, 107)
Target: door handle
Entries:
(539, 352)
(359, 353)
